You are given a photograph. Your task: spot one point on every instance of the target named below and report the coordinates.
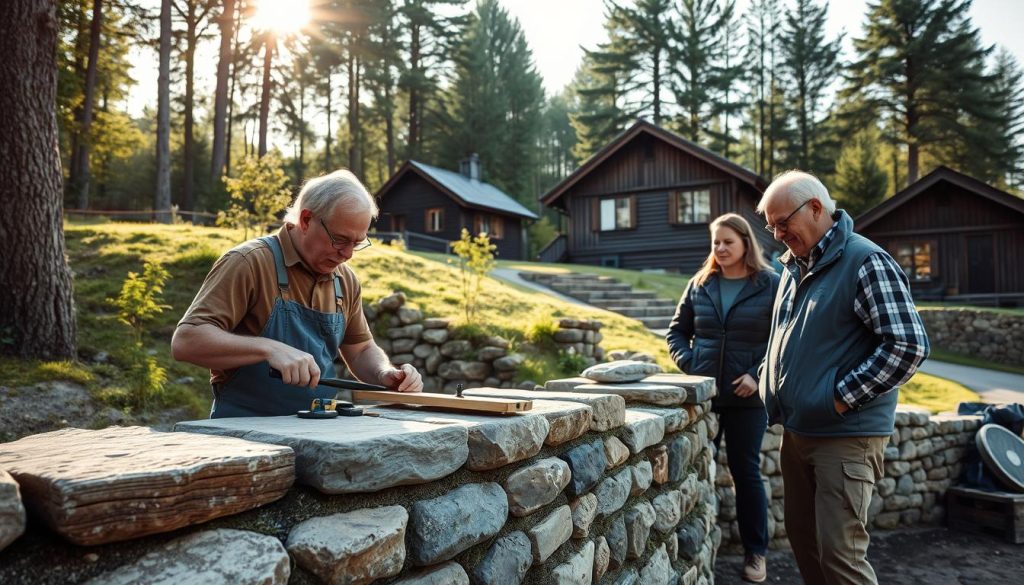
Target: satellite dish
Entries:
(1003, 453)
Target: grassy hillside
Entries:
(102, 254)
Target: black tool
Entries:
(330, 408)
(342, 383)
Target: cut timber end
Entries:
(477, 403)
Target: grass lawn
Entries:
(967, 360)
(934, 393)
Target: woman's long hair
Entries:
(752, 250)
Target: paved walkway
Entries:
(510, 275)
(992, 385)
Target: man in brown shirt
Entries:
(288, 302)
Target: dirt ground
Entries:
(920, 556)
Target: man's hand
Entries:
(403, 379)
(746, 385)
(297, 367)
(841, 406)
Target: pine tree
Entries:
(761, 22)
(598, 118)
(860, 182)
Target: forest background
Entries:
(368, 84)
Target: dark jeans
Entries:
(744, 429)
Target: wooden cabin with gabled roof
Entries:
(645, 201)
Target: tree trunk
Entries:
(231, 91)
(414, 94)
(220, 108)
(187, 191)
(354, 156)
(268, 54)
(85, 129)
(38, 316)
(162, 203)
(327, 139)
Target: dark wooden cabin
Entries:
(429, 207)
(957, 238)
(645, 201)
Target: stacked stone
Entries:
(445, 363)
(582, 337)
(996, 337)
(922, 459)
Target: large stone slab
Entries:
(352, 548)
(450, 573)
(12, 511)
(95, 487)
(536, 485)
(698, 388)
(621, 371)
(565, 384)
(642, 430)
(493, 440)
(353, 454)
(442, 527)
(607, 410)
(639, 392)
(211, 557)
(676, 419)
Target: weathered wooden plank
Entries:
(476, 403)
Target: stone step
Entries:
(590, 295)
(655, 322)
(661, 304)
(641, 311)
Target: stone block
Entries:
(680, 452)
(406, 331)
(691, 537)
(616, 537)
(578, 570)
(698, 388)
(615, 452)
(550, 533)
(490, 353)
(404, 346)
(12, 511)
(408, 316)
(535, 486)
(641, 430)
(450, 573)
(628, 576)
(464, 370)
(587, 463)
(566, 384)
(456, 348)
(350, 455)
(435, 336)
(602, 556)
(443, 527)
(221, 557)
(659, 464)
(119, 483)
(638, 392)
(639, 520)
(584, 510)
(607, 411)
(613, 491)
(620, 371)
(354, 547)
(658, 570)
(667, 510)
(393, 301)
(436, 323)
(506, 562)
(676, 419)
(643, 475)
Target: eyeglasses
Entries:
(341, 243)
(783, 225)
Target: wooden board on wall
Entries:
(477, 403)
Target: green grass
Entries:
(967, 360)
(940, 305)
(934, 393)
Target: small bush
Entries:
(139, 303)
(476, 259)
(541, 333)
(571, 363)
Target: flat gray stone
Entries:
(679, 454)
(442, 527)
(12, 511)
(578, 570)
(587, 463)
(668, 510)
(616, 537)
(565, 384)
(354, 547)
(550, 533)
(615, 452)
(639, 520)
(506, 562)
(607, 411)
(349, 455)
(698, 388)
(621, 371)
(100, 486)
(584, 510)
(691, 537)
(642, 430)
(643, 475)
(602, 557)
(658, 570)
(639, 392)
(210, 557)
(613, 491)
(450, 573)
(535, 486)
(493, 441)
(676, 419)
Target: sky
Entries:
(558, 29)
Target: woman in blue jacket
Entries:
(720, 330)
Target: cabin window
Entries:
(617, 213)
(398, 223)
(435, 219)
(691, 206)
(490, 225)
(915, 258)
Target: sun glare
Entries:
(281, 16)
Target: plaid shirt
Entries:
(884, 305)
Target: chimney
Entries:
(470, 167)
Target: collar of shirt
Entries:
(291, 254)
(819, 249)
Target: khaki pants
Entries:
(828, 483)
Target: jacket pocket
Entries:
(858, 480)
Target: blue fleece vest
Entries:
(820, 342)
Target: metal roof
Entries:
(473, 192)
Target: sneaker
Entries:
(754, 569)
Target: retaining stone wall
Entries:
(922, 459)
(989, 335)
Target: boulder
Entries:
(354, 547)
(620, 371)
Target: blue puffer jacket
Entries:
(703, 341)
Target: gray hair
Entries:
(323, 195)
(800, 187)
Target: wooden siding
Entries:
(412, 195)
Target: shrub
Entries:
(138, 303)
(258, 195)
(475, 260)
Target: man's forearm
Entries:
(211, 347)
(367, 363)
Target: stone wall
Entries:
(587, 487)
(989, 335)
(922, 459)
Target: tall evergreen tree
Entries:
(920, 62)
(162, 199)
(860, 182)
(761, 21)
(598, 118)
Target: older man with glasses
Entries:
(845, 335)
(288, 301)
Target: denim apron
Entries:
(250, 391)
